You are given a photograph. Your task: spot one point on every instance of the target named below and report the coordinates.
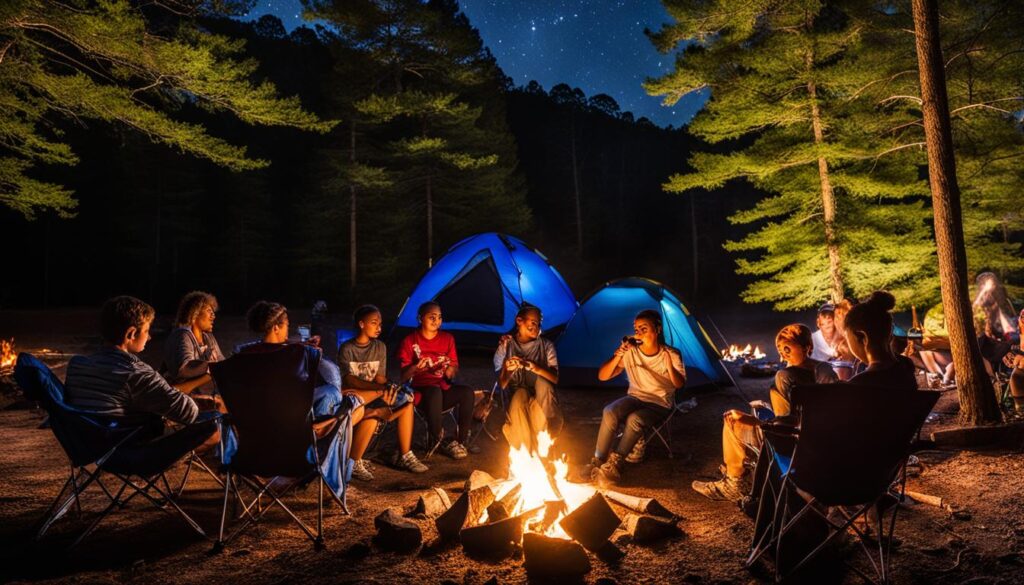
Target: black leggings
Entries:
(435, 401)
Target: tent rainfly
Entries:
(481, 282)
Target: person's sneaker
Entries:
(637, 454)
(361, 471)
(731, 489)
(610, 472)
(409, 462)
(454, 449)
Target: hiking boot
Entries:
(637, 454)
(586, 472)
(361, 470)
(454, 449)
(610, 472)
(409, 462)
(727, 489)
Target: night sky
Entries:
(596, 45)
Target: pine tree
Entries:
(118, 62)
(840, 216)
(430, 123)
(977, 401)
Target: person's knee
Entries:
(635, 422)
(610, 414)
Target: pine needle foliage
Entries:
(132, 64)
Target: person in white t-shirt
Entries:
(655, 371)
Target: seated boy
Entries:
(116, 382)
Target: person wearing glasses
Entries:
(191, 347)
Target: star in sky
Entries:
(596, 45)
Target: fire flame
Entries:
(735, 353)
(542, 481)
(7, 353)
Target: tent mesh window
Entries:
(475, 295)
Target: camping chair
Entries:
(269, 398)
(98, 445)
(848, 456)
(663, 430)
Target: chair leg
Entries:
(106, 511)
(184, 477)
(318, 543)
(218, 546)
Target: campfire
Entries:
(745, 355)
(7, 355)
(536, 510)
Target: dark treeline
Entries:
(572, 175)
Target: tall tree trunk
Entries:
(828, 198)
(576, 185)
(977, 399)
(352, 211)
(430, 225)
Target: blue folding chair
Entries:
(113, 447)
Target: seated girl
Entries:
(741, 441)
(868, 331)
(364, 362)
(429, 360)
(527, 364)
(655, 371)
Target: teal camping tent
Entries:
(606, 315)
(481, 282)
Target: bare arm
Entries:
(353, 382)
(612, 367)
(188, 386)
(409, 371)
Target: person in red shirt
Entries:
(429, 361)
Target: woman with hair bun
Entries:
(868, 330)
(270, 320)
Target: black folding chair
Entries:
(843, 461)
(269, 398)
(111, 447)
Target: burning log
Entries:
(645, 529)
(395, 532)
(466, 511)
(494, 540)
(546, 557)
(642, 505)
(592, 523)
(479, 478)
(504, 507)
(432, 504)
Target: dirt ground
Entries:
(984, 543)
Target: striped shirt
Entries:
(116, 383)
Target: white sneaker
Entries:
(454, 449)
(361, 471)
(409, 462)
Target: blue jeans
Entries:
(635, 415)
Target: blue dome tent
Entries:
(481, 282)
(607, 314)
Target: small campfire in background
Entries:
(744, 355)
(7, 356)
(535, 512)
(753, 362)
